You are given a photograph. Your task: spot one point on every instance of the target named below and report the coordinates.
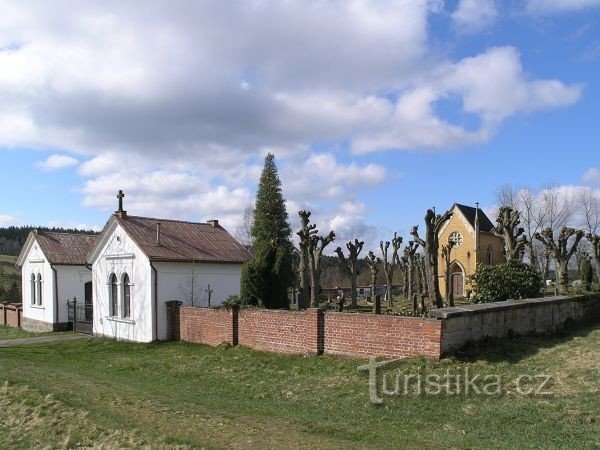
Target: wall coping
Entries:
(480, 308)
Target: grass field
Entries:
(15, 333)
(103, 393)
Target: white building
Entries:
(53, 271)
(139, 264)
(129, 272)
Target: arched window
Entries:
(489, 256)
(114, 296)
(33, 294)
(126, 296)
(39, 289)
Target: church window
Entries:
(489, 256)
(33, 296)
(114, 296)
(456, 237)
(126, 296)
(38, 289)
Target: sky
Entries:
(375, 110)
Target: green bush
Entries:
(513, 279)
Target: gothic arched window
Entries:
(114, 296)
(126, 296)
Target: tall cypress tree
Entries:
(266, 278)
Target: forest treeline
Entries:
(12, 238)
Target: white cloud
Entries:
(471, 16)
(55, 162)
(6, 219)
(558, 6)
(592, 176)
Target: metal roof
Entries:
(183, 241)
(65, 248)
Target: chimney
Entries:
(157, 233)
(213, 223)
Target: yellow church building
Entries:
(474, 243)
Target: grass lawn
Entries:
(15, 333)
(104, 393)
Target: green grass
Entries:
(13, 333)
(104, 393)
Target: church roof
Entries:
(62, 248)
(485, 224)
(183, 241)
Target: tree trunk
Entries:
(562, 277)
(354, 301)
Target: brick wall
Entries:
(278, 331)
(388, 336)
(314, 331)
(207, 326)
(11, 314)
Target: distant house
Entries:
(53, 271)
(128, 273)
(474, 243)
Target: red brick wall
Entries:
(278, 331)
(11, 315)
(314, 331)
(388, 336)
(206, 325)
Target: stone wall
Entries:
(513, 317)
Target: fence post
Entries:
(74, 314)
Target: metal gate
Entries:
(81, 316)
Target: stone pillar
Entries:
(173, 329)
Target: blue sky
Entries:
(375, 110)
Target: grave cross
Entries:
(209, 291)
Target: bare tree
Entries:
(350, 265)
(559, 252)
(244, 230)
(373, 261)
(532, 216)
(410, 262)
(447, 255)
(507, 195)
(589, 206)
(430, 245)
(313, 247)
(595, 241)
(507, 228)
(388, 266)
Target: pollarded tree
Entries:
(595, 241)
(350, 264)
(507, 228)
(410, 261)
(430, 245)
(269, 274)
(560, 253)
(373, 261)
(312, 246)
(388, 266)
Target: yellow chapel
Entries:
(474, 243)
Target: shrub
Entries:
(513, 279)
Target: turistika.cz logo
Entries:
(391, 384)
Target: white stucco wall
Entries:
(71, 283)
(184, 281)
(35, 262)
(120, 255)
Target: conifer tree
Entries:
(266, 278)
